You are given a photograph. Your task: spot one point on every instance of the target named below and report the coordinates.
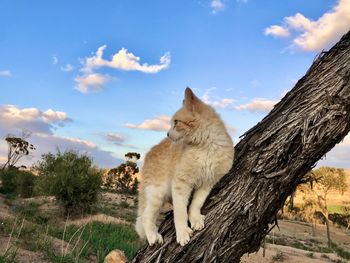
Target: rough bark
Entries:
(270, 161)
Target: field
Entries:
(33, 230)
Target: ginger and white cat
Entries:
(196, 154)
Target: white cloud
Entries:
(218, 102)
(5, 73)
(67, 68)
(217, 6)
(257, 105)
(316, 35)
(91, 82)
(114, 137)
(161, 123)
(339, 156)
(42, 124)
(32, 119)
(45, 143)
(51, 116)
(54, 59)
(278, 31)
(124, 60)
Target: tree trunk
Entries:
(313, 225)
(270, 161)
(328, 233)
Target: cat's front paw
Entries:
(183, 236)
(197, 221)
(154, 238)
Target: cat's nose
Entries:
(167, 134)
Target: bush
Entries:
(17, 182)
(72, 179)
(339, 219)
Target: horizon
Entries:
(104, 79)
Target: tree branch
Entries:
(270, 161)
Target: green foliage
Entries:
(341, 252)
(339, 219)
(9, 256)
(15, 181)
(72, 179)
(122, 178)
(103, 238)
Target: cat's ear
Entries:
(191, 102)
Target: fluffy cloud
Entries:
(5, 73)
(42, 124)
(91, 82)
(315, 35)
(161, 123)
(67, 68)
(32, 119)
(257, 105)
(217, 6)
(124, 60)
(45, 143)
(278, 31)
(217, 103)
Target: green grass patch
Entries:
(341, 252)
(98, 239)
(335, 209)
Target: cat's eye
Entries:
(175, 122)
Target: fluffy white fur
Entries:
(196, 154)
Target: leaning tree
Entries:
(270, 161)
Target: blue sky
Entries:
(59, 80)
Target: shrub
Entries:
(72, 179)
(339, 219)
(15, 181)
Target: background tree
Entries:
(72, 179)
(270, 161)
(123, 178)
(308, 211)
(17, 148)
(328, 179)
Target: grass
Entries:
(9, 256)
(341, 252)
(335, 209)
(102, 238)
(93, 240)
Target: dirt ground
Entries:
(302, 232)
(275, 253)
